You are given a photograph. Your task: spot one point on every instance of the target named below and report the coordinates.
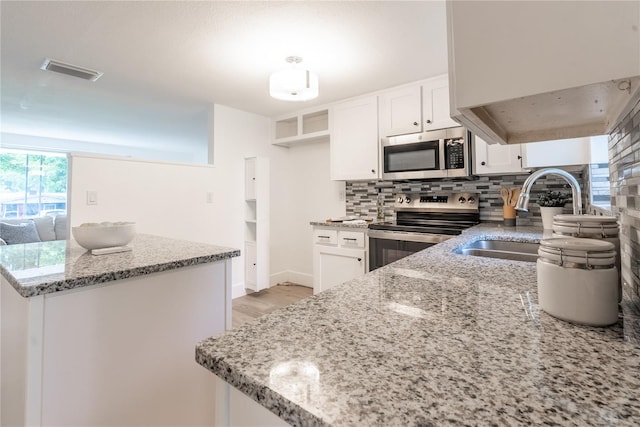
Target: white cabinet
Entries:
(256, 220)
(304, 127)
(338, 256)
(538, 71)
(576, 151)
(496, 159)
(401, 111)
(416, 108)
(354, 139)
(435, 104)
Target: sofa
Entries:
(30, 230)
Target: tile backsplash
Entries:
(624, 167)
(361, 196)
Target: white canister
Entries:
(578, 280)
(592, 227)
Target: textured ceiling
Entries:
(165, 63)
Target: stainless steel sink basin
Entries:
(503, 249)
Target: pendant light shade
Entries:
(293, 84)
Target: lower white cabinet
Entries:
(251, 259)
(338, 256)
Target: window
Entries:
(32, 184)
(599, 185)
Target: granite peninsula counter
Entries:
(85, 336)
(436, 338)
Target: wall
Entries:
(624, 166)
(39, 143)
(300, 190)
(168, 199)
(362, 195)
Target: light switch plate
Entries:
(92, 197)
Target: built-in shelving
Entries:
(304, 127)
(256, 223)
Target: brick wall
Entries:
(624, 167)
(361, 196)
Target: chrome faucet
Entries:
(576, 194)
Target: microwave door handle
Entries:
(441, 148)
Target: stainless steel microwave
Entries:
(442, 153)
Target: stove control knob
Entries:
(471, 200)
(400, 200)
(407, 199)
(462, 200)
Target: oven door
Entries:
(386, 247)
(413, 160)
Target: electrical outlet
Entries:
(92, 197)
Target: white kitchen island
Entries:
(109, 340)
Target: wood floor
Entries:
(260, 303)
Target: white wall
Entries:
(39, 143)
(167, 199)
(300, 190)
(170, 199)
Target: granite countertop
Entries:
(41, 268)
(436, 338)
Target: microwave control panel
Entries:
(454, 154)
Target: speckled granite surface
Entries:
(433, 339)
(338, 224)
(41, 268)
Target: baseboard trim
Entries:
(238, 290)
(291, 276)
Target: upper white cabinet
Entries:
(575, 151)
(401, 111)
(416, 108)
(354, 139)
(538, 71)
(304, 127)
(435, 105)
(496, 159)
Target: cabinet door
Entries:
(250, 272)
(354, 142)
(250, 179)
(401, 111)
(490, 159)
(435, 105)
(563, 152)
(333, 266)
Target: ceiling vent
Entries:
(70, 70)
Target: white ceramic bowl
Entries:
(104, 235)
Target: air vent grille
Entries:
(70, 70)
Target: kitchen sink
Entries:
(502, 249)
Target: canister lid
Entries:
(586, 219)
(577, 245)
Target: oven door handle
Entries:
(408, 237)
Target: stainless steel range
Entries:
(422, 220)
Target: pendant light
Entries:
(293, 84)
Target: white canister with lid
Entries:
(592, 227)
(578, 280)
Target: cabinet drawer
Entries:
(351, 239)
(325, 237)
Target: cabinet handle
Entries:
(350, 239)
(254, 264)
(428, 121)
(519, 157)
(373, 171)
(415, 123)
(323, 237)
(483, 163)
(359, 259)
